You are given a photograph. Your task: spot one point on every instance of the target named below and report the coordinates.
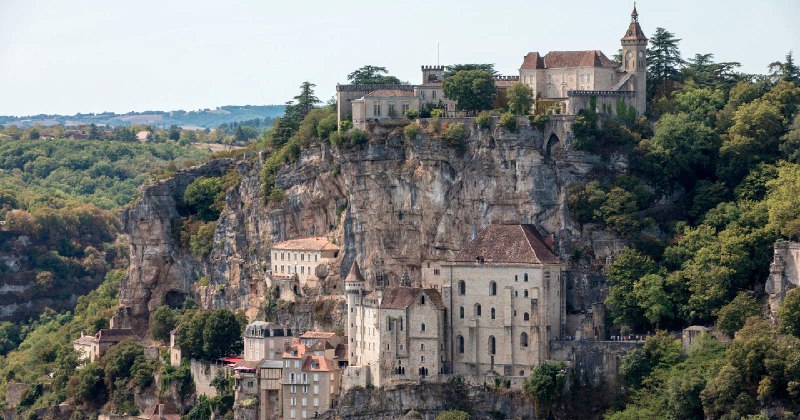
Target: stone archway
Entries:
(552, 146)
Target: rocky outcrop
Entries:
(392, 205)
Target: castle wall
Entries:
(784, 274)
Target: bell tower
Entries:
(634, 60)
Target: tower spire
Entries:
(634, 14)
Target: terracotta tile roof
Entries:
(515, 243)
(589, 58)
(247, 365)
(532, 61)
(318, 364)
(321, 345)
(389, 92)
(296, 351)
(402, 297)
(355, 274)
(373, 295)
(306, 244)
(318, 334)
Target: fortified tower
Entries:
(432, 74)
(634, 60)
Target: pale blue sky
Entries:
(68, 56)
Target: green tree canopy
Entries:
(789, 313)
(520, 98)
(451, 70)
(372, 75)
(733, 315)
(663, 63)
(474, 90)
(205, 197)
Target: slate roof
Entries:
(402, 297)
(564, 59)
(504, 244)
(634, 32)
(306, 244)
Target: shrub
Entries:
(454, 133)
(162, 321)
(327, 126)
(336, 138)
(358, 137)
(508, 121)
(410, 131)
(276, 195)
(539, 121)
(483, 120)
(453, 415)
(733, 315)
(412, 114)
(205, 197)
(202, 241)
(437, 113)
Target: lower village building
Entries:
(502, 302)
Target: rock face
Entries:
(392, 205)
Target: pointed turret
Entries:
(634, 14)
(634, 35)
(354, 282)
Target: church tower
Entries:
(634, 60)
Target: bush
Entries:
(437, 113)
(410, 131)
(201, 242)
(412, 114)
(454, 133)
(358, 137)
(276, 195)
(162, 321)
(484, 120)
(205, 197)
(336, 138)
(789, 313)
(327, 126)
(508, 121)
(453, 415)
(733, 315)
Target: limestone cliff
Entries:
(392, 204)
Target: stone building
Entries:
(265, 341)
(310, 380)
(301, 257)
(394, 334)
(569, 79)
(784, 274)
(92, 348)
(505, 297)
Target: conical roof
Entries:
(355, 274)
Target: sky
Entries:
(69, 56)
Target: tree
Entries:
(789, 313)
(190, 333)
(222, 334)
(545, 384)
(162, 321)
(372, 75)
(520, 98)
(94, 133)
(89, 387)
(455, 68)
(663, 63)
(473, 89)
(733, 315)
(703, 72)
(174, 133)
(683, 148)
(304, 102)
(628, 267)
(786, 71)
(652, 298)
(205, 197)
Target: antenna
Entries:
(437, 53)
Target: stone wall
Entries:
(203, 372)
(784, 274)
(593, 363)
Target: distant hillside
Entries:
(205, 118)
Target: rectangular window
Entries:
(376, 109)
(316, 389)
(391, 109)
(405, 107)
(436, 272)
(316, 378)
(291, 413)
(433, 94)
(422, 92)
(302, 269)
(316, 402)
(302, 257)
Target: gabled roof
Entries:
(318, 335)
(315, 243)
(116, 334)
(402, 297)
(85, 340)
(321, 345)
(318, 364)
(508, 244)
(296, 351)
(532, 61)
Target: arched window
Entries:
(422, 327)
(492, 311)
(461, 312)
(523, 340)
(526, 317)
(516, 277)
(461, 344)
(422, 299)
(462, 287)
(526, 293)
(493, 289)
(492, 348)
(525, 277)
(477, 309)
(422, 346)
